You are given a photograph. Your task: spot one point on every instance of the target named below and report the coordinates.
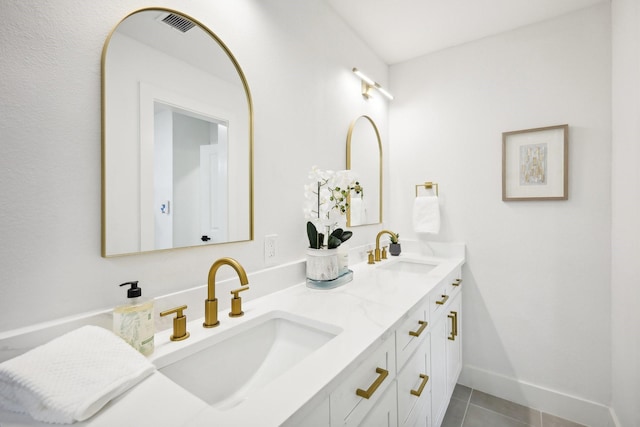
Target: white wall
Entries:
(626, 211)
(297, 57)
(537, 294)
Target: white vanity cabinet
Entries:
(446, 348)
(410, 377)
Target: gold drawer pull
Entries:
(455, 322)
(373, 387)
(443, 300)
(456, 282)
(417, 333)
(425, 380)
(454, 325)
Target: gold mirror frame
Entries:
(380, 170)
(249, 101)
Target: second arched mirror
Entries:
(364, 156)
(177, 137)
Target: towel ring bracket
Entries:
(428, 186)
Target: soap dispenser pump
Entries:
(133, 321)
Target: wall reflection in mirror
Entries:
(364, 156)
(177, 137)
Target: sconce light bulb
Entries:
(363, 77)
(384, 92)
(368, 84)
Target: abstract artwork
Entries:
(535, 164)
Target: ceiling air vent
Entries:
(178, 22)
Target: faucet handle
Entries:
(384, 252)
(179, 323)
(236, 302)
(371, 261)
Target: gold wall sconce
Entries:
(368, 84)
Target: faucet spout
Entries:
(211, 303)
(377, 251)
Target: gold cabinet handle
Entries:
(455, 322)
(443, 300)
(425, 380)
(454, 325)
(456, 282)
(382, 374)
(417, 333)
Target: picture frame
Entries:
(535, 164)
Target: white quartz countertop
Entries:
(366, 310)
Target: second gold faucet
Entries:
(211, 303)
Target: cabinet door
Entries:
(454, 342)
(384, 414)
(414, 386)
(439, 396)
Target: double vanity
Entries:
(384, 349)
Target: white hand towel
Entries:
(358, 216)
(71, 377)
(426, 215)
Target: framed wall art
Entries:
(535, 164)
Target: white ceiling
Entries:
(398, 30)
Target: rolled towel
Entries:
(426, 215)
(72, 377)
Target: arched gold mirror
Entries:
(177, 137)
(364, 157)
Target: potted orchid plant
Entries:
(327, 200)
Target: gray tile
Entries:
(455, 413)
(553, 421)
(462, 392)
(480, 417)
(510, 409)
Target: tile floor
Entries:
(473, 408)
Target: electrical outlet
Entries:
(270, 248)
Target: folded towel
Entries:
(71, 377)
(426, 215)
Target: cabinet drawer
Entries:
(438, 299)
(444, 292)
(371, 378)
(414, 386)
(411, 333)
(455, 281)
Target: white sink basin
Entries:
(229, 366)
(407, 266)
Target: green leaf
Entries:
(346, 236)
(312, 234)
(334, 242)
(337, 232)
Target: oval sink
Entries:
(408, 266)
(230, 366)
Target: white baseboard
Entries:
(552, 402)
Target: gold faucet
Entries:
(377, 252)
(211, 303)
